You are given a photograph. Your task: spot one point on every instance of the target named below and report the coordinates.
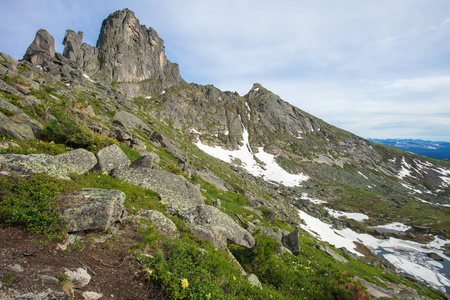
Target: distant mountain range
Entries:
(438, 150)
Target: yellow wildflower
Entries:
(208, 296)
(184, 283)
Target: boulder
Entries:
(94, 209)
(79, 278)
(153, 155)
(161, 222)
(15, 122)
(143, 162)
(292, 242)
(130, 121)
(330, 252)
(76, 161)
(111, 157)
(270, 232)
(253, 280)
(209, 223)
(72, 46)
(175, 190)
(42, 49)
(60, 166)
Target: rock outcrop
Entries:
(128, 51)
(14, 122)
(42, 49)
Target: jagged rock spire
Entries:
(42, 49)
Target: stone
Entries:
(153, 155)
(435, 256)
(270, 232)
(253, 280)
(161, 222)
(111, 157)
(94, 209)
(292, 242)
(122, 134)
(330, 252)
(17, 123)
(42, 49)
(60, 166)
(130, 121)
(210, 223)
(79, 278)
(76, 161)
(178, 194)
(143, 162)
(407, 294)
(91, 295)
(5, 58)
(377, 291)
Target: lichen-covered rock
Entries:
(76, 161)
(161, 222)
(60, 166)
(179, 194)
(210, 223)
(143, 162)
(17, 123)
(111, 157)
(94, 209)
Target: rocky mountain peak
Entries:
(42, 49)
(128, 51)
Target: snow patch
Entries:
(148, 97)
(87, 77)
(363, 175)
(355, 216)
(395, 226)
(407, 256)
(267, 169)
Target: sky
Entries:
(379, 69)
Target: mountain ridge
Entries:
(125, 91)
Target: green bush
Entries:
(31, 202)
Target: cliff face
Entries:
(129, 51)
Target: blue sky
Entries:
(379, 69)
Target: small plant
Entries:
(66, 284)
(8, 278)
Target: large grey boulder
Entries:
(179, 194)
(161, 222)
(94, 209)
(143, 162)
(60, 166)
(130, 121)
(209, 223)
(42, 49)
(111, 157)
(15, 122)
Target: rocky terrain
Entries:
(132, 179)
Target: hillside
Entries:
(185, 191)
